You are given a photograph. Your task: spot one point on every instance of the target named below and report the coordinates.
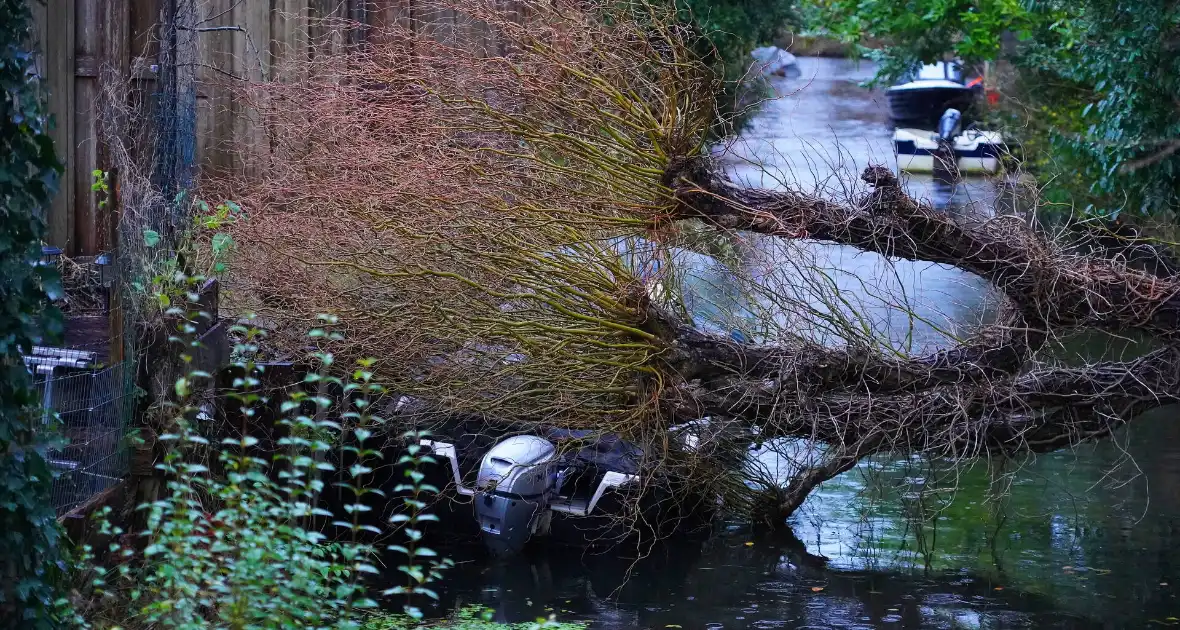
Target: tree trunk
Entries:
(992, 396)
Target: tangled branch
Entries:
(507, 227)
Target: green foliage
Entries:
(419, 570)
(204, 250)
(102, 186)
(1097, 84)
(470, 618)
(211, 223)
(732, 29)
(238, 541)
(29, 538)
(923, 30)
(1112, 71)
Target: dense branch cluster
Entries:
(504, 225)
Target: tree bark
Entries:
(1048, 285)
(987, 397)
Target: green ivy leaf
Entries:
(221, 242)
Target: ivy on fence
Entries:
(30, 558)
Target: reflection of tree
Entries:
(1065, 527)
(725, 581)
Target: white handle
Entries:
(448, 451)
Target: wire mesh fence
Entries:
(91, 408)
(147, 123)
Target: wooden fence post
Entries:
(58, 47)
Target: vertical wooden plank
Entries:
(114, 81)
(382, 16)
(252, 58)
(87, 45)
(358, 12)
(387, 17)
(59, 72)
(115, 316)
(326, 25)
(204, 150)
(143, 39)
(239, 67)
(288, 44)
(188, 57)
(144, 15)
(38, 33)
(217, 58)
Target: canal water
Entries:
(1082, 539)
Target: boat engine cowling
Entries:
(517, 481)
(950, 124)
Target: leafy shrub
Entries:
(30, 555)
(238, 540)
(732, 29)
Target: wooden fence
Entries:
(88, 46)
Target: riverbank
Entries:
(807, 44)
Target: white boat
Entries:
(975, 151)
(772, 61)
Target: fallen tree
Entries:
(504, 228)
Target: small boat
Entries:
(774, 61)
(921, 97)
(975, 151)
(570, 487)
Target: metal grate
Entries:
(92, 407)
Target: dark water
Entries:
(1088, 539)
(1082, 539)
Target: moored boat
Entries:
(773, 61)
(975, 151)
(570, 487)
(921, 97)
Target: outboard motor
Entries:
(945, 161)
(950, 124)
(517, 481)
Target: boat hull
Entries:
(976, 152)
(966, 166)
(915, 105)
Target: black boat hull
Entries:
(921, 107)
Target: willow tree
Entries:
(499, 209)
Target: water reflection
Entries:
(735, 581)
(1079, 540)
